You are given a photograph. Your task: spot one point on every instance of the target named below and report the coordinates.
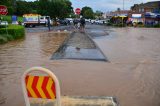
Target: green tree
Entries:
(87, 12)
(98, 13)
(23, 7)
(55, 8)
(10, 5)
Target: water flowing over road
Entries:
(132, 73)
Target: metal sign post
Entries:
(44, 87)
(4, 11)
(6, 28)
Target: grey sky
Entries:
(105, 5)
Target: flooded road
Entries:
(132, 75)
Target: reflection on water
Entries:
(133, 74)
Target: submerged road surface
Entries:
(132, 75)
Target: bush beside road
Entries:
(12, 32)
(8, 18)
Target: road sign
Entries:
(40, 87)
(43, 87)
(78, 11)
(3, 10)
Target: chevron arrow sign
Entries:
(40, 87)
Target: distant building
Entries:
(153, 7)
(120, 12)
(145, 12)
(107, 15)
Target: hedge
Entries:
(5, 38)
(14, 32)
(8, 18)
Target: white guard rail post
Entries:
(51, 77)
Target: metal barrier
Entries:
(44, 87)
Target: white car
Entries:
(97, 21)
(70, 20)
(4, 23)
(92, 21)
(102, 22)
(87, 20)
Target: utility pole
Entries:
(123, 11)
(123, 4)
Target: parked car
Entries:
(63, 22)
(3, 23)
(92, 21)
(70, 20)
(97, 21)
(102, 22)
(87, 20)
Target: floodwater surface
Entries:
(132, 75)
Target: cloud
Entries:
(107, 5)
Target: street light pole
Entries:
(123, 10)
(123, 4)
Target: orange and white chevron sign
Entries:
(40, 87)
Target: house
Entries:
(153, 7)
(145, 13)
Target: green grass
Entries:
(9, 18)
(14, 32)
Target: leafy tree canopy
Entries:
(87, 12)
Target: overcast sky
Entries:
(105, 5)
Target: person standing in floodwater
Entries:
(82, 22)
(48, 23)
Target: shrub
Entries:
(9, 18)
(157, 25)
(2, 26)
(5, 38)
(14, 32)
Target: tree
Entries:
(9, 4)
(23, 7)
(98, 13)
(87, 12)
(55, 8)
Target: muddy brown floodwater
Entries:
(132, 75)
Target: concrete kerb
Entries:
(63, 46)
(89, 101)
(97, 47)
